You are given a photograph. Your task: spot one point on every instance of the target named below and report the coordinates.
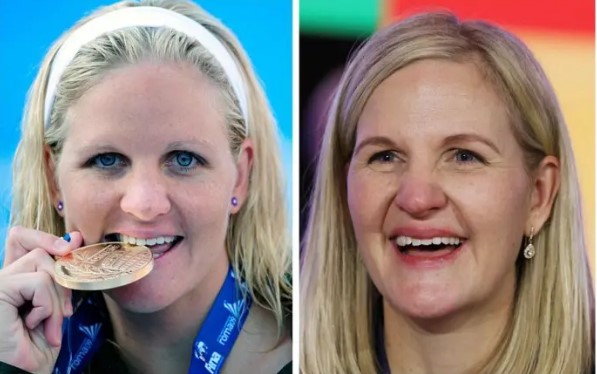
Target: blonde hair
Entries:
(257, 239)
(550, 329)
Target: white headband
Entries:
(148, 17)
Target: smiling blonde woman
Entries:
(445, 233)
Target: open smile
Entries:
(415, 251)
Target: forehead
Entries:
(149, 97)
(444, 94)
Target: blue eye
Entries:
(183, 161)
(106, 161)
(384, 161)
(464, 156)
(383, 157)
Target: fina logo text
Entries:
(212, 364)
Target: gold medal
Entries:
(103, 266)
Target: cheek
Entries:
(369, 196)
(494, 208)
(204, 205)
(210, 201)
(87, 204)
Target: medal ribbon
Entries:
(84, 332)
(221, 327)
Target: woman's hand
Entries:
(32, 304)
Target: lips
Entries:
(414, 245)
(428, 256)
(426, 246)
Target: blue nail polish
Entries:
(66, 237)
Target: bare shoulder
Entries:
(260, 347)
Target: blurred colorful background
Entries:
(27, 29)
(561, 33)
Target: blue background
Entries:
(28, 28)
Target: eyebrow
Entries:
(94, 148)
(189, 143)
(106, 148)
(374, 140)
(468, 137)
(458, 138)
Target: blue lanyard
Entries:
(220, 328)
(85, 331)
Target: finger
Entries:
(40, 260)
(22, 240)
(53, 324)
(39, 289)
(37, 315)
(42, 312)
(65, 309)
(75, 239)
(36, 260)
(53, 306)
(66, 300)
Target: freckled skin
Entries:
(419, 109)
(139, 112)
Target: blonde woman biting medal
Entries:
(146, 125)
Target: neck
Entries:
(162, 341)
(459, 343)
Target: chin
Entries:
(424, 311)
(423, 302)
(141, 297)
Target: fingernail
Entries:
(66, 237)
(60, 244)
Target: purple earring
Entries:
(60, 206)
(234, 201)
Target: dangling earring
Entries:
(234, 201)
(60, 206)
(529, 251)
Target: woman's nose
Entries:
(146, 194)
(419, 194)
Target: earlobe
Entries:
(545, 189)
(244, 165)
(50, 168)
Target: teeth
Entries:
(148, 241)
(403, 241)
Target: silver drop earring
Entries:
(529, 250)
